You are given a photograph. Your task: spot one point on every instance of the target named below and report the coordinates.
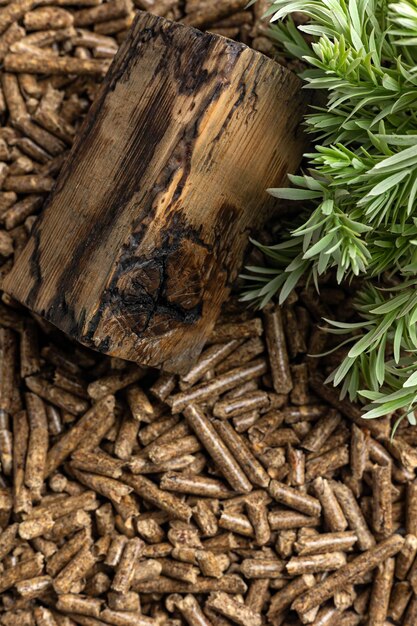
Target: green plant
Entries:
(359, 192)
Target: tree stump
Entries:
(146, 228)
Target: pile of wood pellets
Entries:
(244, 492)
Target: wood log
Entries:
(146, 228)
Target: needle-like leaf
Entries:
(359, 192)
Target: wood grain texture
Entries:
(147, 225)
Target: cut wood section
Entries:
(146, 228)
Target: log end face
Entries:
(156, 308)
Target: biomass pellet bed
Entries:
(245, 492)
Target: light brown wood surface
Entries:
(146, 228)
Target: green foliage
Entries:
(359, 193)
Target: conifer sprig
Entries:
(359, 192)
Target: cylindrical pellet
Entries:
(71, 603)
(294, 499)
(194, 484)
(381, 591)
(284, 598)
(258, 516)
(126, 567)
(277, 350)
(353, 515)
(332, 511)
(406, 557)
(217, 449)
(76, 569)
(283, 520)
(400, 597)
(262, 568)
(321, 431)
(37, 445)
(326, 542)
(359, 452)
(382, 521)
(314, 563)
(296, 466)
(209, 359)
(411, 509)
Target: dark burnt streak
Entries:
(133, 304)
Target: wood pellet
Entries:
(117, 507)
